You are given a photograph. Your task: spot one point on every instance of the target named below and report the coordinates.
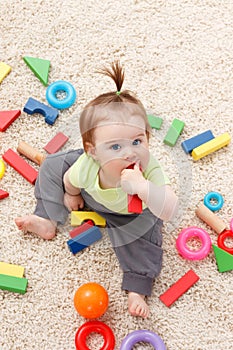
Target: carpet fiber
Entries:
(178, 59)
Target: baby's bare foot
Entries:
(137, 305)
(44, 228)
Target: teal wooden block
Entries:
(155, 122)
(174, 132)
(13, 284)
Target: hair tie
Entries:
(118, 93)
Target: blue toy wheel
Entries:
(61, 85)
(213, 196)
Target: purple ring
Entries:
(142, 335)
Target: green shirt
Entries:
(84, 173)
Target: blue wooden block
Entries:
(195, 141)
(33, 106)
(84, 239)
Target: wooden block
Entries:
(174, 132)
(179, 288)
(134, 202)
(30, 152)
(56, 143)
(210, 218)
(3, 194)
(211, 146)
(2, 168)
(7, 118)
(155, 122)
(224, 259)
(20, 165)
(11, 269)
(78, 217)
(84, 239)
(4, 70)
(40, 68)
(195, 141)
(13, 284)
(33, 106)
(84, 227)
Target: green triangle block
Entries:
(40, 68)
(223, 258)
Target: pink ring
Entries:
(191, 232)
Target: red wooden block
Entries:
(20, 165)
(7, 117)
(84, 227)
(56, 143)
(134, 202)
(3, 194)
(179, 288)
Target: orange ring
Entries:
(98, 327)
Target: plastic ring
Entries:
(61, 85)
(221, 238)
(2, 168)
(191, 232)
(216, 196)
(231, 225)
(98, 327)
(142, 335)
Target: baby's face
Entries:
(120, 145)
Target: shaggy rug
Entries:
(178, 60)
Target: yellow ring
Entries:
(2, 168)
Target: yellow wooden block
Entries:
(211, 146)
(11, 269)
(2, 168)
(78, 217)
(4, 70)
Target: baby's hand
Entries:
(73, 202)
(131, 180)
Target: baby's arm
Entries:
(161, 200)
(72, 197)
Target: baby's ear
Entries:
(90, 149)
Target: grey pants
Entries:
(136, 238)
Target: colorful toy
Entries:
(155, 122)
(134, 202)
(3, 194)
(91, 300)
(221, 241)
(2, 168)
(174, 132)
(30, 152)
(142, 336)
(56, 143)
(84, 227)
(179, 288)
(11, 269)
(63, 86)
(224, 259)
(7, 118)
(211, 146)
(210, 218)
(78, 217)
(94, 327)
(196, 141)
(4, 70)
(33, 106)
(192, 232)
(13, 284)
(84, 239)
(20, 165)
(40, 68)
(217, 197)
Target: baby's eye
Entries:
(136, 142)
(115, 147)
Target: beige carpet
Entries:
(178, 59)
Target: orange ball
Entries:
(91, 300)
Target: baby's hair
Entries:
(112, 107)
